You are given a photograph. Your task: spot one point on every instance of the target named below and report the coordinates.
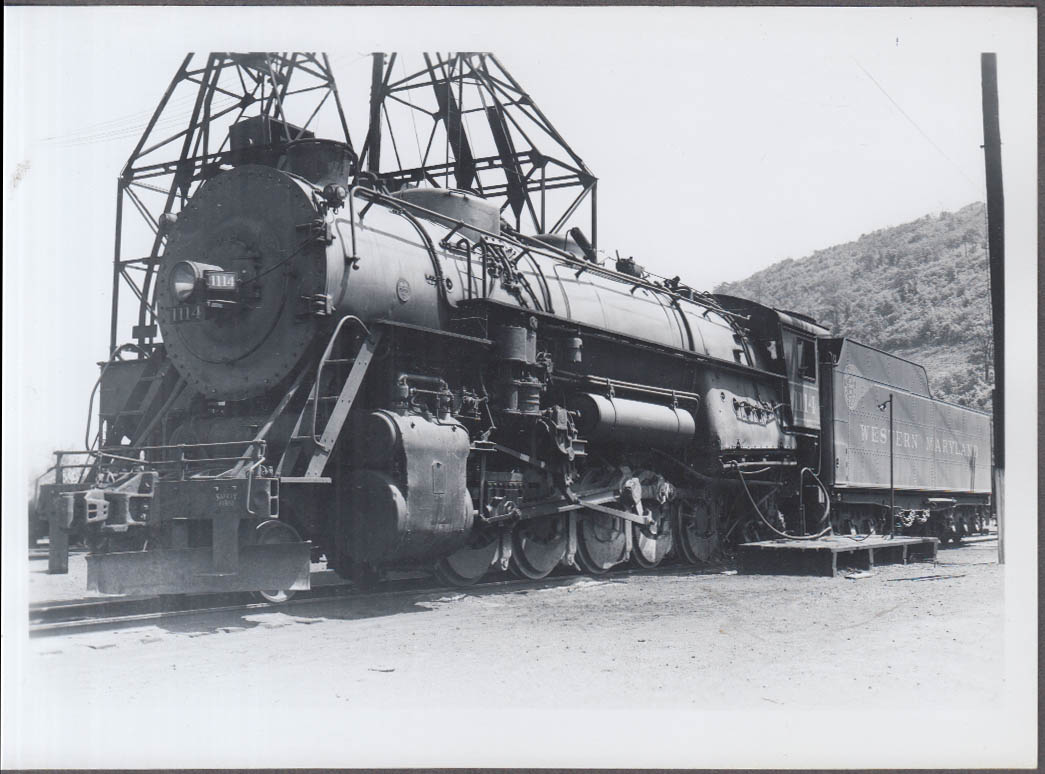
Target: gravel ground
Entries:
(913, 637)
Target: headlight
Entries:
(186, 277)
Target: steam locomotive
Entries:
(399, 379)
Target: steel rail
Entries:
(83, 615)
(66, 618)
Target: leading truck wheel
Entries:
(465, 566)
(268, 533)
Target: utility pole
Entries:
(996, 257)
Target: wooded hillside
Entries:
(920, 290)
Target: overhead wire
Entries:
(112, 123)
(133, 123)
(915, 124)
(119, 133)
(129, 121)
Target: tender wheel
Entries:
(601, 542)
(751, 531)
(846, 526)
(268, 533)
(697, 532)
(977, 524)
(648, 549)
(467, 565)
(538, 545)
(944, 530)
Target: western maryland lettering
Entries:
(872, 434)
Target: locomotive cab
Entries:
(786, 343)
(798, 336)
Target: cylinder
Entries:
(410, 503)
(625, 421)
(380, 440)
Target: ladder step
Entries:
(323, 398)
(339, 361)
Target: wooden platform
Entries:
(823, 556)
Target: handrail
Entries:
(255, 451)
(250, 482)
(322, 362)
(169, 447)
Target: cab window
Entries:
(805, 357)
(740, 351)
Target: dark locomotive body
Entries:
(400, 380)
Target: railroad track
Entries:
(40, 554)
(974, 539)
(83, 615)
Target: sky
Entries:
(724, 140)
